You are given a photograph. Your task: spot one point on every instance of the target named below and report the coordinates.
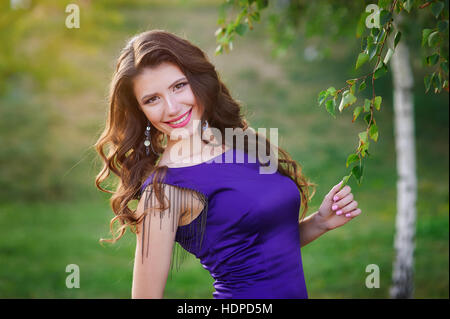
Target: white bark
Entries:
(403, 267)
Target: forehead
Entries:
(157, 78)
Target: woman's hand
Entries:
(337, 208)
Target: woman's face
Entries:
(166, 98)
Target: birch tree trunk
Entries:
(403, 267)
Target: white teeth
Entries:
(180, 120)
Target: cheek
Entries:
(154, 115)
(187, 97)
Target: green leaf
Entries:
(357, 172)
(373, 132)
(397, 38)
(432, 59)
(229, 28)
(262, 4)
(218, 31)
(367, 118)
(425, 34)
(364, 43)
(361, 25)
(377, 102)
(352, 83)
(379, 48)
(398, 8)
(322, 97)
(241, 28)
(433, 39)
(351, 159)
(363, 136)
(347, 99)
(384, 4)
(380, 36)
(408, 5)
(364, 149)
(367, 104)
(442, 25)
(444, 66)
(356, 113)
(427, 81)
(331, 107)
(440, 80)
(331, 91)
(219, 49)
(374, 32)
(362, 86)
(372, 49)
(362, 58)
(436, 8)
(385, 17)
(380, 71)
(388, 56)
(255, 15)
(436, 82)
(345, 180)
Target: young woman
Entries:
(240, 223)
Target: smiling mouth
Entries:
(181, 119)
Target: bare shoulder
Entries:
(185, 203)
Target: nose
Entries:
(173, 108)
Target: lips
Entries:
(185, 118)
(174, 120)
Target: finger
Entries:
(351, 206)
(353, 213)
(334, 190)
(341, 203)
(341, 194)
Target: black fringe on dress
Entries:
(190, 236)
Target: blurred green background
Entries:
(53, 105)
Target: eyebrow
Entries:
(174, 83)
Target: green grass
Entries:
(40, 238)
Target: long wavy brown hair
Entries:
(126, 122)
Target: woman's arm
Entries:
(337, 209)
(310, 228)
(155, 239)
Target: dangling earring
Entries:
(205, 125)
(147, 141)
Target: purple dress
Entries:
(251, 240)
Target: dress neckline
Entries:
(210, 161)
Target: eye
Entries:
(182, 83)
(150, 100)
(179, 85)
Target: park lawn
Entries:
(46, 237)
(41, 238)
